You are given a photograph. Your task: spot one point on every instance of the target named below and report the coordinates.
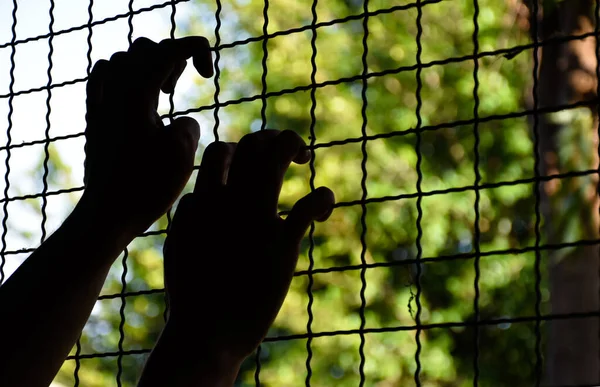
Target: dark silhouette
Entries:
(229, 257)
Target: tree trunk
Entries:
(568, 141)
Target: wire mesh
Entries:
(422, 323)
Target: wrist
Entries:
(187, 361)
(120, 228)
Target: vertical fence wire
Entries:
(47, 131)
(217, 75)
(537, 195)
(311, 232)
(363, 184)
(263, 79)
(417, 375)
(125, 252)
(477, 232)
(172, 94)
(263, 126)
(122, 317)
(11, 96)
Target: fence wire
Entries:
(268, 92)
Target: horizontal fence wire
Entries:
(358, 202)
(367, 136)
(507, 53)
(403, 328)
(396, 133)
(90, 24)
(434, 259)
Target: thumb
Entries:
(317, 205)
(182, 137)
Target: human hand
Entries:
(135, 166)
(229, 256)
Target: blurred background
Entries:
(421, 115)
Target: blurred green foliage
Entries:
(448, 160)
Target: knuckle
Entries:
(204, 41)
(165, 43)
(118, 57)
(98, 71)
(186, 200)
(289, 136)
(143, 41)
(100, 65)
(142, 49)
(250, 139)
(304, 203)
(216, 148)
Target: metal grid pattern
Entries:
(269, 91)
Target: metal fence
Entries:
(43, 186)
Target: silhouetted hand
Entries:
(229, 256)
(135, 166)
(135, 169)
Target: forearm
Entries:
(177, 362)
(47, 301)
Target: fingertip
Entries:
(202, 58)
(324, 203)
(193, 127)
(303, 156)
(316, 206)
(189, 129)
(207, 58)
(214, 168)
(203, 64)
(293, 147)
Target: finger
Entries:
(304, 155)
(171, 82)
(286, 147)
(142, 46)
(169, 54)
(120, 65)
(248, 160)
(94, 110)
(196, 47)
(184, 207)
(182, 138)
(215, 166)
(95, 88)
(159, 65)
(145, 51)
(177, 227)
(117, 89)
(316, 206)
